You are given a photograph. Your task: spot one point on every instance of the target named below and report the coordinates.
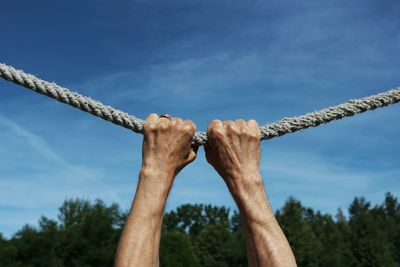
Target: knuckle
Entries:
(215, 131)
(231, 128)
(189, 129)
(240, 121)
(163, 126)
(246, 134)
(150, 127)
(177, 120)
(252, 122)
(153, 126)
(190, 123)
(241, 125)
(151, 117)
(255, 135)
(215, 123)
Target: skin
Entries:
(166, 150)
(233, 149)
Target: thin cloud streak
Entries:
(199, 60)
(34, 141)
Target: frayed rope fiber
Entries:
(269, 131)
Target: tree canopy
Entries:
(86, 234)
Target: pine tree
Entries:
(368, 242)
(306, 247)
(8, 252)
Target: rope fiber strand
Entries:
(269, 131)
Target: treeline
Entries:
(86, 234)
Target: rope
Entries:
(269, 131)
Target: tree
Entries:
(176, 250)
(7, 252)
(86, 234)
(306, 247)
(212, 245)
(330, 236)
(89, 233)
(368, 242)
(193, 218)
(216, 238)
(391, 222)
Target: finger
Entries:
(163, 120)
(254, 127)
(152, 118)
(242, 125)
(192, 157)
(208, 151)
(176, 122)
(149, 126)
(231, 127)
(190, 126)
(192, 153)
(228, 122)
(195, 148)
(177, 119)
(207, 147)
(214, 132)
(215, 124)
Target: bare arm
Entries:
(166, 150)
(233, 149)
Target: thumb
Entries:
(192, 153)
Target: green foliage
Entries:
(208, 228)
(307, 248)
(176, 250)
(7, 252)
(368, 237)
(86, 234)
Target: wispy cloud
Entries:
(320, 181)
(36, 178)
(200, 60)
(36, 142)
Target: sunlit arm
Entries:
(140, 239)
(166, 150)
(233, 149)
(266, 243)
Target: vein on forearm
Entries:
(266, 243)
(140, 239)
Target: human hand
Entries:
(233, 149)
(167, 147)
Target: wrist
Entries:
(243, 184)
(157, 181)
(251, 198)
(159, 172)
(151, 193)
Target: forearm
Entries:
(140, 239)
(266, 243)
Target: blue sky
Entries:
(200, 60)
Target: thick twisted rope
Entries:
(269, 131)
